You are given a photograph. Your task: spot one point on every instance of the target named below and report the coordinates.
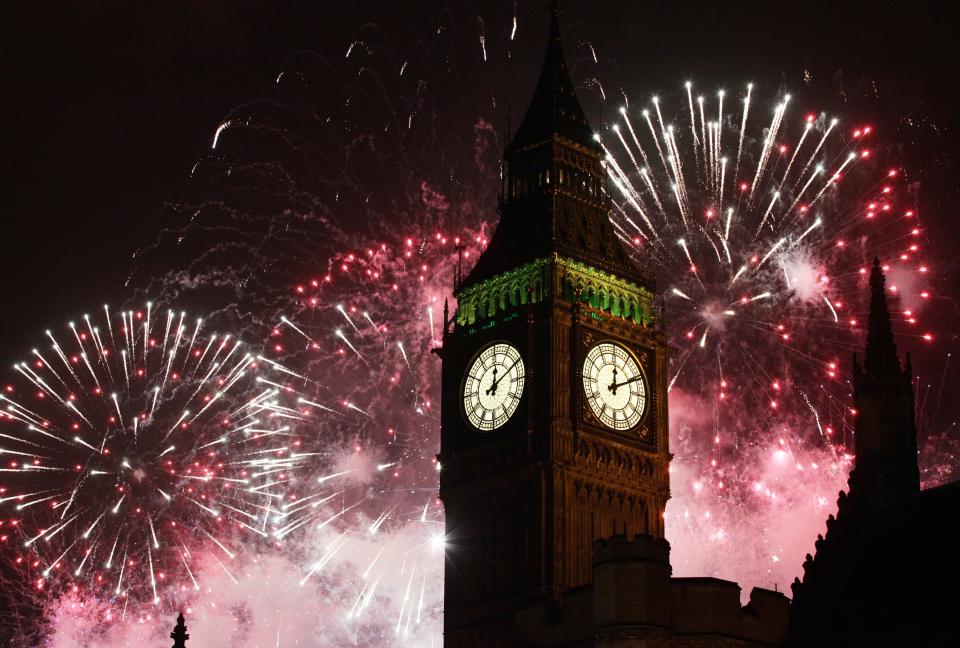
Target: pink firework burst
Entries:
(135, 443)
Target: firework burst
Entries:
(342, 261)
(136, 440)
(761, 224)
(325, 218)
(761, 229)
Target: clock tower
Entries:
(554, 401)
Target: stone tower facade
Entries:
(554, 429)
(554, 417)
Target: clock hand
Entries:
(493, 387)
(613, 384)
(626, 382)
(496, 381)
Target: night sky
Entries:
(107, 104)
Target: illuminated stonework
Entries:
(557, 510)
(555, 278)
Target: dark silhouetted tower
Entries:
(877, 573)
(886, 435)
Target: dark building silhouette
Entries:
(179, 634)
(886, 570)
(554, 427)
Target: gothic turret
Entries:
(886, 436)
(891, 546)
(555, 195)
(179, 634)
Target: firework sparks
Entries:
(348, 268)
(764, 296)
(108, 453)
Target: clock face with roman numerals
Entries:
(615, 386)
(493, 386)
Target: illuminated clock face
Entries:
(615, 386)
(493, 386)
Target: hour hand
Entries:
(613, 383)
(492, 390)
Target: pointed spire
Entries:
(554, 108)
(554, 21)
(179, 634)
(555, 199)
(881, 352)
(885, 441)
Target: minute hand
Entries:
(614, 386)
(497, 381)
